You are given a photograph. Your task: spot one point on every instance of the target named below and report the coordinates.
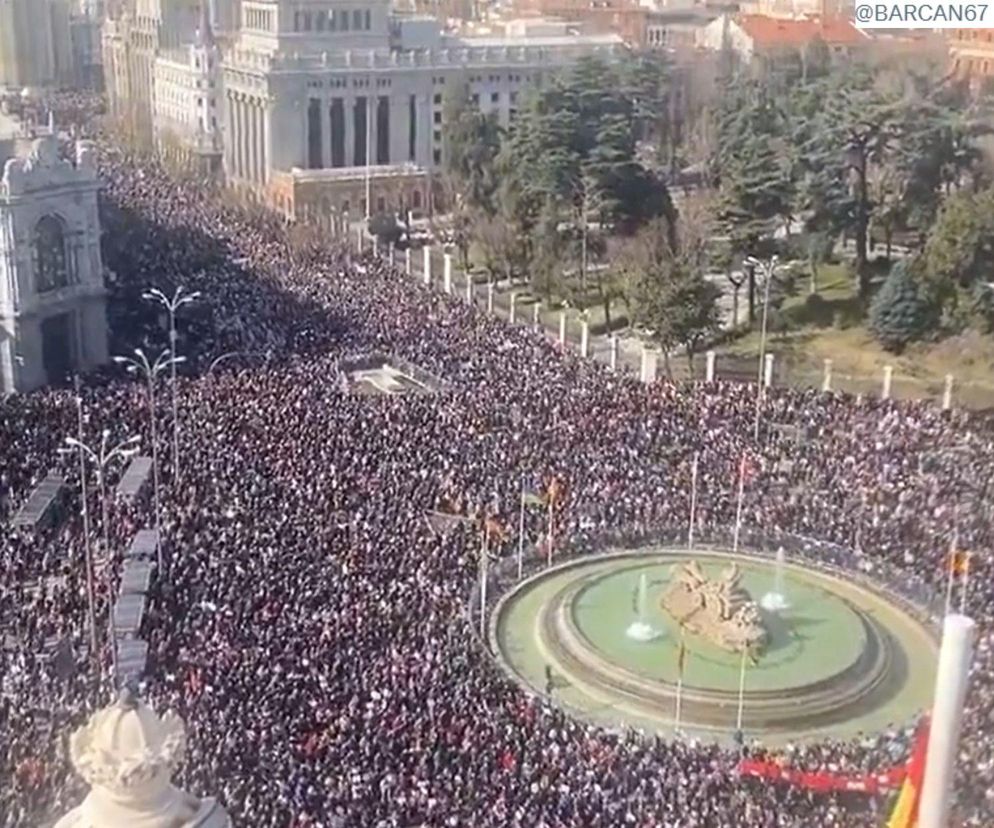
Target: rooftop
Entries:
(771, 32)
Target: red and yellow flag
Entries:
(905, 813)
(959, 562)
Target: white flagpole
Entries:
(521, 530)
(693, 503)
(681, 664)
(742, 685)
(483, 583)
(966, 583)
(951, 561)
(738, 507)
(550, 532)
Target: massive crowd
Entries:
(311, 628)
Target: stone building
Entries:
(319, 85)
(35, 44)
(52, 298)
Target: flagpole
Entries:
(521, 530)
(681, 657)
(951, 566)
(738, 507)
(483, 584)
(966, 583)
(742, 685)
(551, 501)
(693, 503)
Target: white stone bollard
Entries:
(888, 377)
(768, 371)
(613, 354)
(649, 360)
(407, 261)
(709, 358)
(392, 254)
(537, 315)
(562, 327)
(490, 297)
(584, 338)
(358, 239)
(826, 383)
(469, 288)
(947, 393)
(512, 316)
(447, 273)
(376, 247)
(426, 273)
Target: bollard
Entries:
(447, 273)
(426, 273)
(888, 376)
(392, 254)
(826, 384)
(514, 308)
(947, 393)
(407, 261)
(768, 371)
(710, 358)
(358, 239)
(537, 315)
(469, 288)
(376, 247)
(648, 372)
(562, 327)
(584, 338)
(614, 353)
(490, 297)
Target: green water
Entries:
(817, 637)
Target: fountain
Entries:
(776, 600)
(640, 629)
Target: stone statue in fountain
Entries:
(718, 609)
(128, 754)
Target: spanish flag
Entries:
(554, 493)
(905, 813)
(959, 562)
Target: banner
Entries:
(821, 781)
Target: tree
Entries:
(959, 255)
(385, 227)
(899, 314)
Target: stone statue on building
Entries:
(128, 754)
(718, 609)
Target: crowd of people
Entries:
(311, 626)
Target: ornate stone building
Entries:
(128, 754)
(35, 43)
(52, 298)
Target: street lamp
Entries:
(769, 268)
(139, 364)
(101, 458)
(172, 305)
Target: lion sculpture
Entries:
(719, 609)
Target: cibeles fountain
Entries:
(128, 754)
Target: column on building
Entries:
(424, 130)
(237, 138)
(229, 131)
(267, 140)
(327, 131)
(399, 128)
(252, 137)
(245, 137)
(371, 118)
(349, 104)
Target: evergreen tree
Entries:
(899, 314)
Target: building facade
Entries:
(52, 299)
(971, 53)
(313, 85)
(35, 44)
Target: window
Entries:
(476, 99)
(437, 117)
(345, 21)
(322, 16)
(381, 205)
(356, 19)
(436, 156)
(50, 259)
(437, 99)
(307, 21)
(368, 21)
(417, 199)
(494, 97)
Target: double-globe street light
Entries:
(180, 298)
(102, 456)
(140, 364)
